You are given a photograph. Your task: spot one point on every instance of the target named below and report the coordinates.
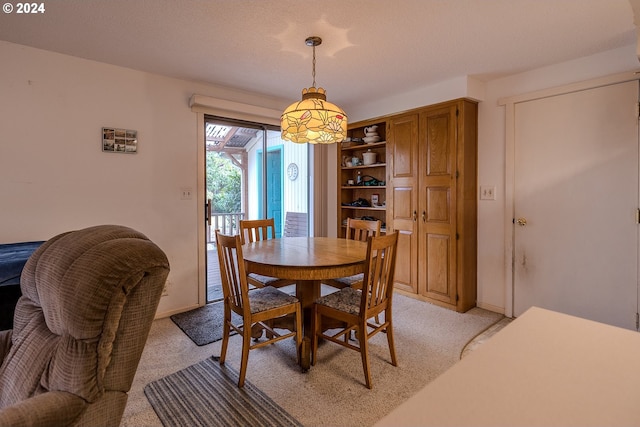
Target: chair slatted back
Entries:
(379, 272)
(360, 229)
(296, 224)
(253, 230)
(233, 275)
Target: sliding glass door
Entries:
(242, 182)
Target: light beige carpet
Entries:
(429, 340)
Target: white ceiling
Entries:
(371, 48)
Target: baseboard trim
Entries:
(490, 307)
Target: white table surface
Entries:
(544, 368)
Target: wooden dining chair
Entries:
(253, 230)
(358, 309)
(357, 229)
(255, 308)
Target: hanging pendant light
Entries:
(313, 119)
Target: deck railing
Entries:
(227, 223)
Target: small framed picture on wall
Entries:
(116, 140)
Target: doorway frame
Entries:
(509, 103)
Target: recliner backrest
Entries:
(88, 300)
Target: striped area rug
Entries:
(207, 394)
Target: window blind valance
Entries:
(237, 110)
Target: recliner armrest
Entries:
(54, 408)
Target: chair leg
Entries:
(299, 333)
(392, 347)
(364, 353)
(316, 325)
(246, 344)
(226, 331)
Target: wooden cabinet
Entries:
(427, 158)
(431, 201)
(361, 182)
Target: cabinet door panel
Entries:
(404, 277)
(403, 203)
(437, 133)
(437, 204)
(403, 132)
(438, 250)
(402, 197)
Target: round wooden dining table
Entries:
(308, 261)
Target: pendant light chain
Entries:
(314, 66)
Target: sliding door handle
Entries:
(207, 212)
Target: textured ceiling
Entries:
(371, 48)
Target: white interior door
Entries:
(576, 186)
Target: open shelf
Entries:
(347, 172)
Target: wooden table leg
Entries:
(307, 291)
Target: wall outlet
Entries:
(487, 192)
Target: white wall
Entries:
(54, 176)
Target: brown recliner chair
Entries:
(88, 300)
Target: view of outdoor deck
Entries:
(227, 223)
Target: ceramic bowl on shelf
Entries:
(371, 139)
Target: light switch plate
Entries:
(186, 193)
(487, 192)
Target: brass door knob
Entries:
(521, 222)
